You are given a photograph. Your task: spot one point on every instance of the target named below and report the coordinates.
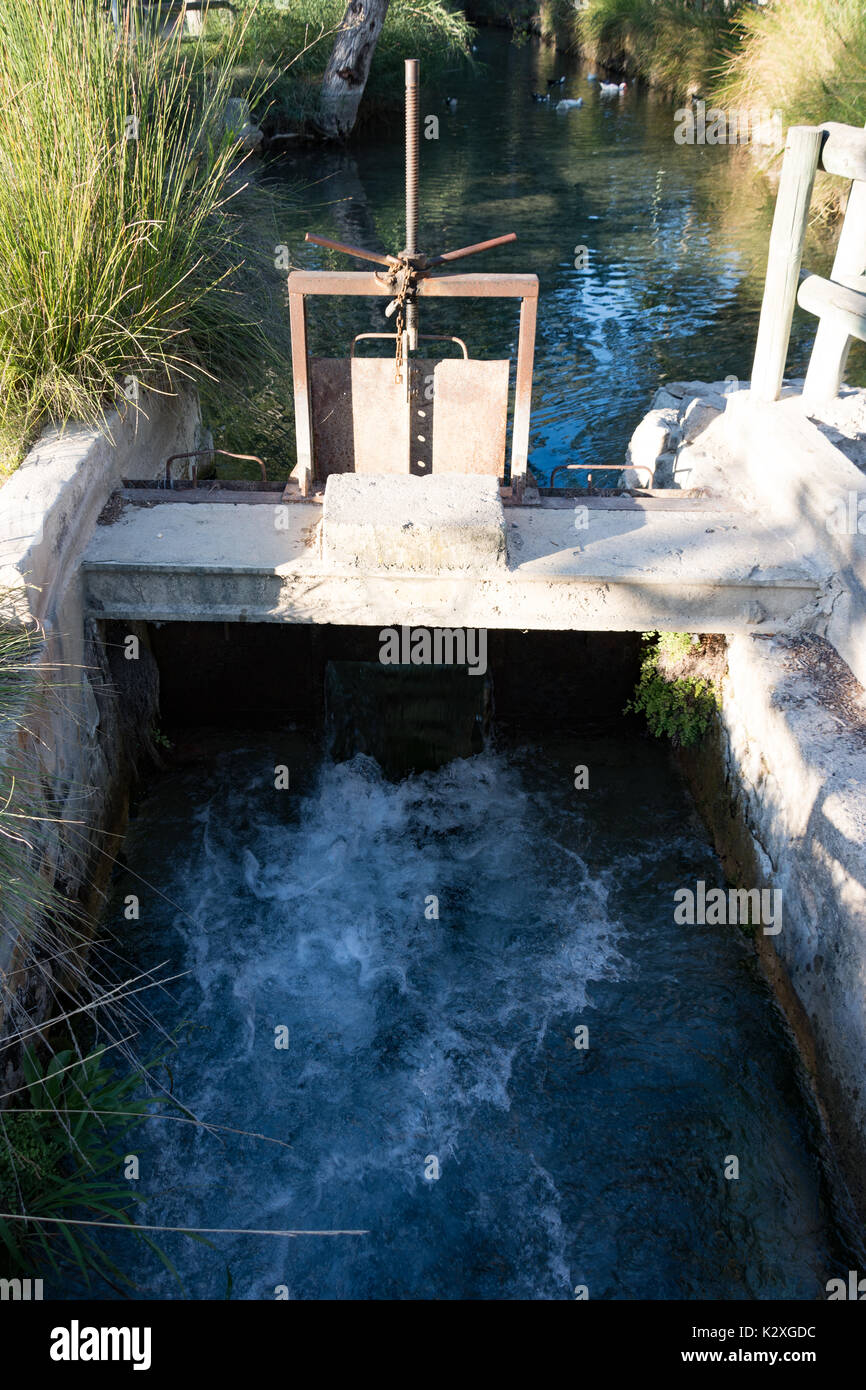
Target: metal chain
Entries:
(403, 281)
(398, 324)
(406, 283)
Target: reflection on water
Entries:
(431, 947)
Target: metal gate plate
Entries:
(470, 412)
(361, 417)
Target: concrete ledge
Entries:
(625, 571)
(791, 471)
(92, 708)
(49, 506)
(432, 525)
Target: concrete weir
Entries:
(439, 551)
(752, 540)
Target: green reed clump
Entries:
(64, 1131)
(61, 1160)
(26, 894)
(667, 43)
(119, 241)
(804, 57)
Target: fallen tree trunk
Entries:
(349, 66)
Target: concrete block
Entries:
(800, 482)
(432, 525)
(792, 719)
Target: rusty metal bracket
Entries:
(197, 453)
(600, 468)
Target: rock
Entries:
(693, 388)
(653, 436)
(665, 400)
(701, 412)
(726, 389)
(238, 123)
(665, 467)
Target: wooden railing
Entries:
(838, 303)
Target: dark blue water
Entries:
(413, 1038)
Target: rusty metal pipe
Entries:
(471, 250)
(422, 337)
(611, 468)
(351, 250)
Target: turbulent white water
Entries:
(414, 1038)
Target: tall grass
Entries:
(118, 237)
(26, 894)
(61, 1160)
(51, 1163)
(667, 43)
(806, 57)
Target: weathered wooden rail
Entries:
(838, 303)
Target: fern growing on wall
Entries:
(678, 691)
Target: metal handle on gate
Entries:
(197, 453)
(423, 337)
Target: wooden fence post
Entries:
(783, 263)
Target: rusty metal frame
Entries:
(302, 283)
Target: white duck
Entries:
(611, 89)
(569, 104)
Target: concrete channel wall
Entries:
(782, 786)
(93, 709)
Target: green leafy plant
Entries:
(678, 703)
